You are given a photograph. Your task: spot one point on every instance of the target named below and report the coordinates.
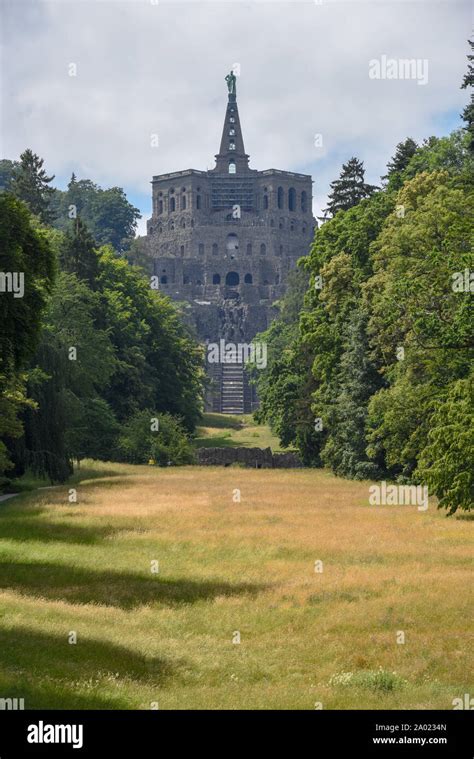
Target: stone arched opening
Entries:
(232, 279)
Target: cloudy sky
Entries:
(146, 67)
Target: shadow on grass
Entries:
(24, 525)
(122, 589)
(109, 482)
(48, 672)
(31, 482)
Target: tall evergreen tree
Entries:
(358, 380)
(349, 189)
(403, 153)
(30, 183)
(468, 112)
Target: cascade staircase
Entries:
(232, 389)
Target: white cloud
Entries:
(146, 68)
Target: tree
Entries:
(349, 189)
(468, 112)
(339, 262)
(25, 252)
(441, 153)
(92, 430)
(114, 219)
(78, 253)
(279, 384)
(7, 169)
(71, 367)
(420, 322)
(446, 461)
(13, 400)
(395, 167)
(30, 183)
(345, 449)
(159, 365)
(110, 218)
(28, 269)
(159, 438)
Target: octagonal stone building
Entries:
(224, 241)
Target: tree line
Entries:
(370, 359)
(93, 363)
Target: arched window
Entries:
(201, 249)
(216, 279)
(214, 249)
(292, 225)
(304, 201)
(277, 279)
(272, 222)
(231, 132)
(265, 202)
(183, 202)
(172, 204)
(280, 197)
(232, 243)
(182, 223)
(249, 248)
(181, 250)
(263, 249)
(198, 202)
(164, 280)
(232, 169)
(292, 199)
(160, 229)
(248, 279)
(303, 229)
(160, 206)
(232, 145)
(232, 279)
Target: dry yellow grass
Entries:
(228, 566)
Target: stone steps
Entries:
(232, 389)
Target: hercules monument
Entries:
(223, 241)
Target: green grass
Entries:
(225, 421)
(223, 431)
(224, 566)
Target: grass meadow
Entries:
(225, 567)
(219, 431)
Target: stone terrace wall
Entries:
(257, 458)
